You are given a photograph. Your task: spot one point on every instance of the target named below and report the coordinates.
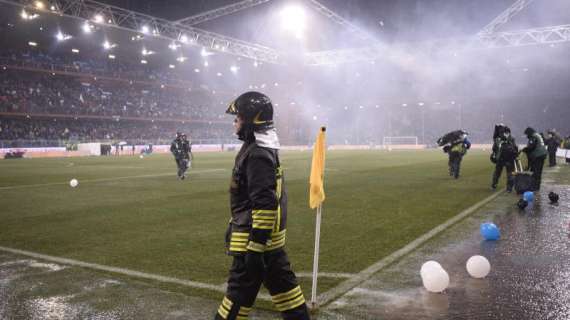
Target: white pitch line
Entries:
(334, 275)
(367, 273)
(123, 271)
(106, 179)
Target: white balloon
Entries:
(478, 267)
(432, 264)
(73, 183)
(435, 280)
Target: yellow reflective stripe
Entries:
(238, 241)
(254, 246)
(263, 226)
(223, 313)
(254, 212)
(278, 220)
(243, 313)
(286, 295)
(264, 218)
(240, 234)
(277, 240)
(225, 308)
(227, 303)
(291, 304)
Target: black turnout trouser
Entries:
(536, 165)
(552, 157)
(182, 164)
(455, 163)
(279, 280)
(509, 167)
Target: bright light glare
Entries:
(62, 37)
(86, 27)
(146, 52)
(107, 45)
(144, 62)
(184, 39)
(293, 19)
(111, 56)
(28, 16)
(171, 66)
(173, 46)
(181, 59)
(205, 53)
(98, 18)
(75, 50)
(145, 29)
(32, 44)
(234, 69)
(40, 5)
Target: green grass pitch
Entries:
(133, 213)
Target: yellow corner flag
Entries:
(317, 191)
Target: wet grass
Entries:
(377, 202)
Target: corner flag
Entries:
(316, 198)
(317, 191)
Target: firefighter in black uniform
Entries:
(505, 152)
(552, 142)
(456, 150)
(536, 154)
(256, 232)
(180, 149)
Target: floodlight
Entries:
(98, 18)
(293, 19)
(86, 27)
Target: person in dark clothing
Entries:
(552, 142)
(456, 150)
(180, 149)
(505, 152)
(256, 232)
(536, 154)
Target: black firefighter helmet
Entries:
(255, 110)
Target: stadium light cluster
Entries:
(28, 16)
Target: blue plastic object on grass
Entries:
(490, 231)
(528, 196)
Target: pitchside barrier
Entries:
(94, 149)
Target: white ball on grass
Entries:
(432, 264)
(435, 280)
(141, 156)
(478, 267)
(73, 183)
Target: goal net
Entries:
(402, 140)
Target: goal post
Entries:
(400, 140)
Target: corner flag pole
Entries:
(316, 198)
(316, 258)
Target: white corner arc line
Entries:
(363, 275)
(106, 179)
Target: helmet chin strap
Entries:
(246, 133)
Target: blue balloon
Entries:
(490, 231)
(528, 196)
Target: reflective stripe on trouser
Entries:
(278, 278)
